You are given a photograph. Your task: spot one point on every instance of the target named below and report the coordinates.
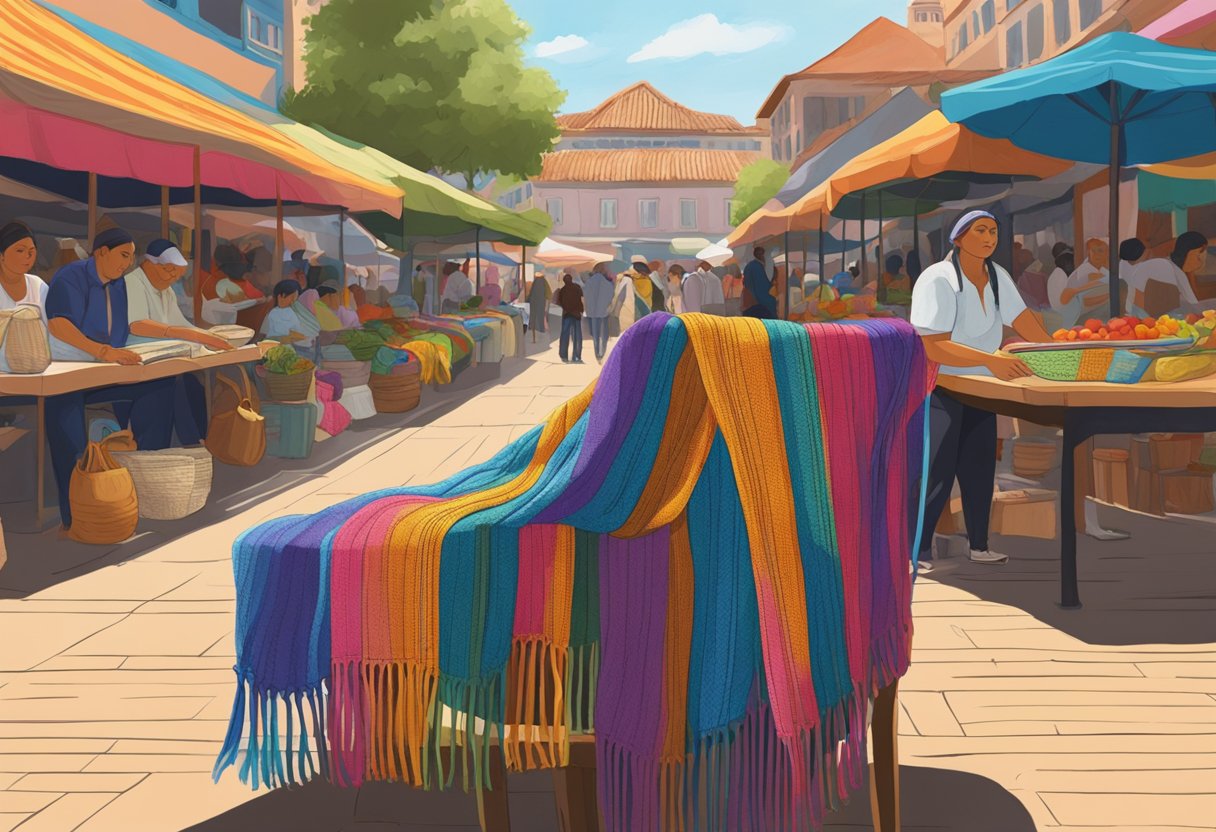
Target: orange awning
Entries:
(772, 222)
(47, 63)
(1197, 167)
(931, 147)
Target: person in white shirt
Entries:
(1187, 258)
(961, 307)
(150, 296)
(457, 291)
(713, 301)
(1090, 284)
(17, 255)
(1131, 258)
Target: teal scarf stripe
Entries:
(725, 650)
(617, 497)
(794, 367)
(458, 615)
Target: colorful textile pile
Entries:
(703, 559)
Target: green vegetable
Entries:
(284, 360)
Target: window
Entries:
(788, 151)
(1061, 17)
(648, 213)
(963, 40)
(1034, 34)
(688, 214)
(224, 15)
(730, 210)
(1090, 10)
(607, 213)
(975, 25)
(1010, 5)
(555, 209)
(988, 15)
(264, 33)
(922, 17)
(170, 3)
(1013, 46)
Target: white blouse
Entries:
(938, 307)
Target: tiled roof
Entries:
(881, 54)
(642, 107)
(647, 165)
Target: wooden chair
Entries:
(575, 785)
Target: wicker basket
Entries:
(354, 373)
(397, 393)
(286, 388)
(171, 484)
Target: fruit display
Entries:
(1137, 329)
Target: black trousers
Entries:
(962, 446)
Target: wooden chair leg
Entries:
(884, 774)
(493, 806)
(574, 789)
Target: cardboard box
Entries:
(1173, 452)
(1028, 512)
(1145, 480)
(1112, 476)
(951, 521)
(1187, 492)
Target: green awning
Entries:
(433, 209)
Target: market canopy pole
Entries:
(164, 212)
(786, 271)
(1116, 165)
(821, 264)
(198, 236)
(915, 240)
(523, 271)
(861, 239)
(477, 254)
(278, 228)
(880, 266)
(92, 209)
(342, 256)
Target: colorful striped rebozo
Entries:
(703, 559)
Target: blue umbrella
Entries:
(1118, 100)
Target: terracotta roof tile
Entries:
(647, 165)
(642, 107)
(881, 54)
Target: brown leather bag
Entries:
(237, 432)
(105, 507)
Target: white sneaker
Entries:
(924, 567)
(1093, 528)
(988, 557)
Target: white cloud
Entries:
(561, 45)
(705, 34)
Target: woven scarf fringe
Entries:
(280, 749)
(475, 708)
(538, 735)
(395, 712)
(582, 678)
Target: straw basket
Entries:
(396, 393)
(105, 507)
(1033, 460)
(286, 388)
(354, 373)
(171, 484)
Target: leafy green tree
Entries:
(436, 85)
(757, 184)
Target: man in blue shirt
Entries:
(86, 310)
(757, 284)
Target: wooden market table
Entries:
(1085, 410)
(73, 376)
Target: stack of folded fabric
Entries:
(703, 559)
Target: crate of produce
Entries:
(1115, 362)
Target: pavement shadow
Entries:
(1157, 587)
(934, 800)
(37, 561)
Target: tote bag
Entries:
(237, 432)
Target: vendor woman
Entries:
(960, 307)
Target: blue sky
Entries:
(630, 40)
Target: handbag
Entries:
(105, 507)
(237, 431)
(25, 344)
